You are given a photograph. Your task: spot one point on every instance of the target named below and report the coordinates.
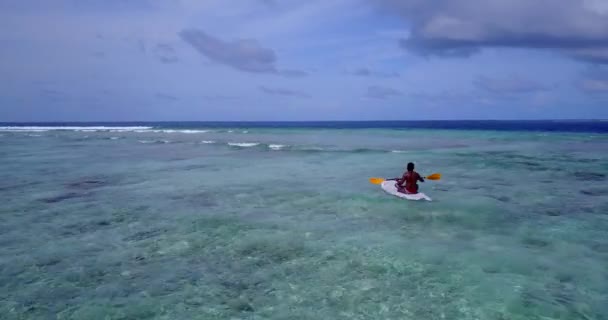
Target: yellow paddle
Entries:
(434, 176)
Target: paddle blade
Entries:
(376, 180)
(434, 176)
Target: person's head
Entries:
(410, 166)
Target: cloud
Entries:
(283, 92)
(380, 92)
(595, 81)
(243, 55)
(508, 85)
(165, 53)
(366, 72)
(218, 97)
(453, 98)
(595, 85)
(463, 27)
(593, 55)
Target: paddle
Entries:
(434, 176)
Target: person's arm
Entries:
(403, 178)
(420, 178)
(400, 180)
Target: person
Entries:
(408, 182)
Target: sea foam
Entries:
(276, 146)
(243, 144)
(68, 128)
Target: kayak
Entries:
(390, 188)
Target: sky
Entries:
(288, 60)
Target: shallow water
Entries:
(260, 223)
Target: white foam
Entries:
(398, 151)
(114, 138)
(9, 129)
(207, 142)
(243, 144)
(276, 146)
(189, 131)
(68, 128)
(138, 129)
(193, 131)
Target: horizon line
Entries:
(297, 121)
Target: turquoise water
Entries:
(141, 223)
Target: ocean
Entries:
(277, 220)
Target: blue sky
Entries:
(122, 60)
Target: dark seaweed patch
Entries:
(63, 197)
(600, 247)
(535, 242)
(501, 198)
(529, 163)
(195, 167)
(240, 305)
(595, 192)
(47, 261)
(531, 298)
(561, 293)
(80, 228)
(589, 176)
(553, 212)
(88, 183)
(491, 269)
(564, 277)
(465, 236)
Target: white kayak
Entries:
(390, 188)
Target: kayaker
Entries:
(408, 182)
